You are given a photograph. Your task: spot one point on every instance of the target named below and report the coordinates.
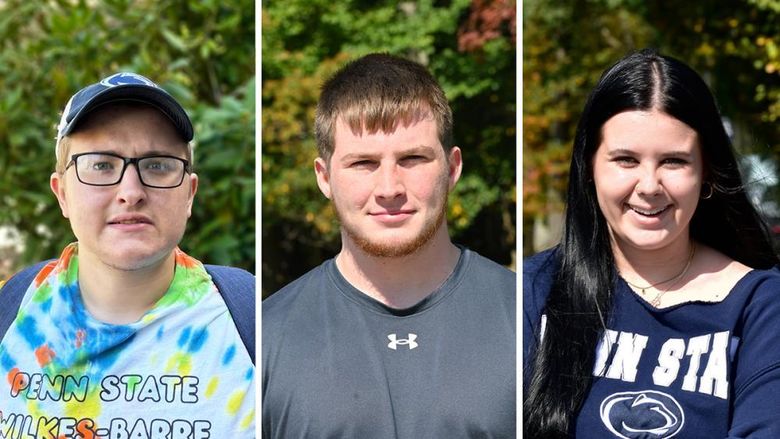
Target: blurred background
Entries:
(469, 46)
(734, 45)
(201, 52)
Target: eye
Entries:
(362, 164)
(674, 162)
(626, 161)
(413, 159)
(156, 165)
(102, 166)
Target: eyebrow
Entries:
(626, 151)
(354, 156)
(419, 149)
(146, 154)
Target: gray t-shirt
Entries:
(338, 364)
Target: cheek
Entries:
(85, 214)
(684, 187)
(352, 189)
(175, 206)
(613, 186)
(428, 183)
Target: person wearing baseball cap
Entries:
(125, 335)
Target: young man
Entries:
(403, 334)
(125, 335)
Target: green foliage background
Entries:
(734, 45)
(202, 52)
(467, 45)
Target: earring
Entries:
(708, 195)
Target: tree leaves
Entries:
(203, 53)
(305, 41)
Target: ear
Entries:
(323, 176)
(455, 165)
(57, 185)
(193, 190)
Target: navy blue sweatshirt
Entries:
(694, 370)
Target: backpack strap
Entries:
(237, 287)
(12, 293)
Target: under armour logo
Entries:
(395, 341)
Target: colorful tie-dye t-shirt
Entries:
(181, 371)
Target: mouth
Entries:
(392, 212)
(392, 218)
(649, 212)
(129, 220)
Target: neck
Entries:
(118, 296)
(651, 266)
(403, 281)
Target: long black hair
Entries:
(580, 300)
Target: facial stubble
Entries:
(399, 249)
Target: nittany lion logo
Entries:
(126, 78)
(645, 414)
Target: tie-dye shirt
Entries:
(181, 371)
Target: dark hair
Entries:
(377, 92)
(580, 299)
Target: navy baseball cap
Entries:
(123, 86)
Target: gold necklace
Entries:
(657, 300)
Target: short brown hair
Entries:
(376, 92)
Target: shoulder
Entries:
(539, 272)
(231, 280)
(485, 287)
(543, 262)
(294, 296)
(763, 289)
(296, 288)
(485, 269)
(758, 330)
(25, 276)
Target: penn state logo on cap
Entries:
(643, 414)
(123, 86)
(126, 78)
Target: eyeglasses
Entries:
(107, 169)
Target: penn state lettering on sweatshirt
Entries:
(694, 370)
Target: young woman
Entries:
(657, 315)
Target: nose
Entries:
(130, 190)
(390, 183)
(649, 182)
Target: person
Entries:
(403, 334)
(125, 335)
(657, 314)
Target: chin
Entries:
(135, 260)
(645, 244)
(395, 245)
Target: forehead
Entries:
(402, 136)
(647, 129)
(126, 127)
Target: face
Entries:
(389, 189)
(127, 226)
(648, 176)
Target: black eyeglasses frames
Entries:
(107, 169)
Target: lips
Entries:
(392, 218)
(651, 211)
(129, 219)
(392, 212)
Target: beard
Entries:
(397, 249)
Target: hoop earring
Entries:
(709, 193)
